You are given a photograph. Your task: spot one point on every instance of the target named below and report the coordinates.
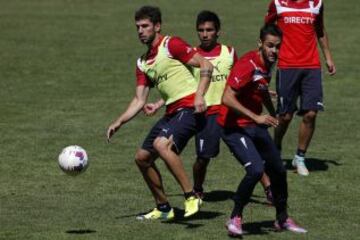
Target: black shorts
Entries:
(293, 83)
(207, 140)
(252, 146)
(181, 125)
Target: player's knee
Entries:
(161, 144)
(309, 117)
(143, 159)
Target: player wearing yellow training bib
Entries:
(165, 66)
(222, 57)
(207, 140)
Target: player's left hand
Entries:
(331, 67)
(199, 104)
(267, 120)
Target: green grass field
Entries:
(67, 70)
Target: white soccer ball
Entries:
(73, 160)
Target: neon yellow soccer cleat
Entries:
(156, 214)
(192, 206)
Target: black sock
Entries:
(189, 194)
(237, 211)
(281, 216)
(198, 189)
(164, 207)
(300, 153)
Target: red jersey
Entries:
(249, 78)
(213, 53)
(177, 49)
(298, 21)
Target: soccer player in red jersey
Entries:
(245, 130)
(164, 66)
(299, 68)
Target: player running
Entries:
(163, 66)
(245, 130)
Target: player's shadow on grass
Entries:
(179, 216)
(187, 222)
(313, 164)
(212, 196)
(80, 231)
(224, 195)
(260, 200)
(258, 228)
(218, 196)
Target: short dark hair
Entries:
(271, 29)
(208, 16)
(148, 12)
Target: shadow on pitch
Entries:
(258, 228)
(80, 231)
(224, 195)
(212, 196)
(313, 164)
(179, 213)
(260, 200)
(179, 218)
(218, 195)
(188, 222)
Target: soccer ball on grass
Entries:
(73, 160)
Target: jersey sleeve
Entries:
(180, 50)
(271, 13)
(319, 22)
(240, 75)
(141, 78)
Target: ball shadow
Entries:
(80, 231)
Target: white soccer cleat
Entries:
(299, 163)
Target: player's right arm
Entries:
(240, 76)
(206, 69)
(229, 99)
(134, 107)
